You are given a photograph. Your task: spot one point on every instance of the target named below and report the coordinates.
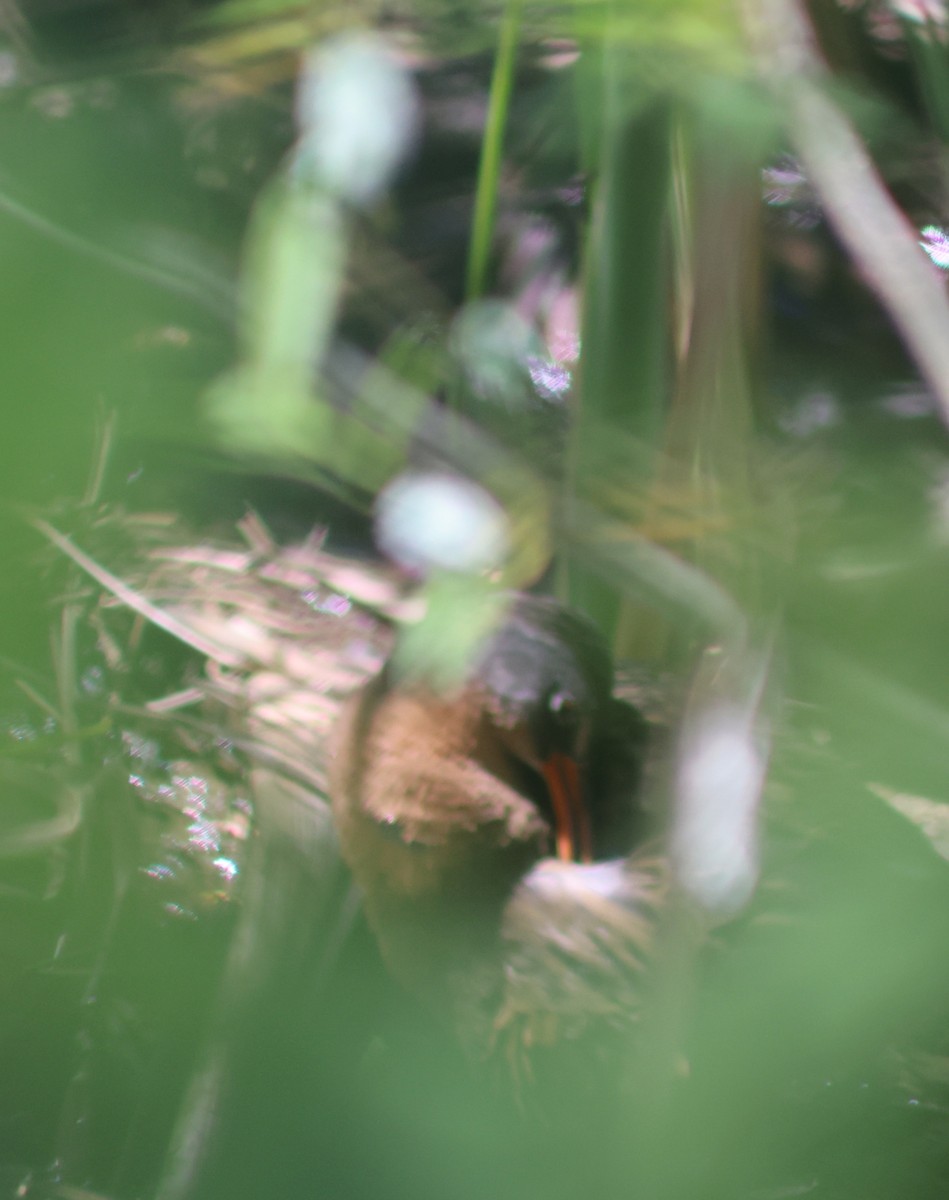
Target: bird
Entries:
(491, 827)
(500, 835)
(496, 831)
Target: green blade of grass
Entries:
(489, 168)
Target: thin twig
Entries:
(137, 602)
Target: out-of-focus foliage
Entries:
(647, 296)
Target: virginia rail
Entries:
(450, 808)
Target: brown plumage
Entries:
(448, 815)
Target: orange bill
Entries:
(574, 839)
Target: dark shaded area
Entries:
(815, 1043)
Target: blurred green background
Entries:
(663, 279)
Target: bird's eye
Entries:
(565, 720)
(562, 705)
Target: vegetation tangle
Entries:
(329, 332)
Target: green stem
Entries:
(489, 168)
